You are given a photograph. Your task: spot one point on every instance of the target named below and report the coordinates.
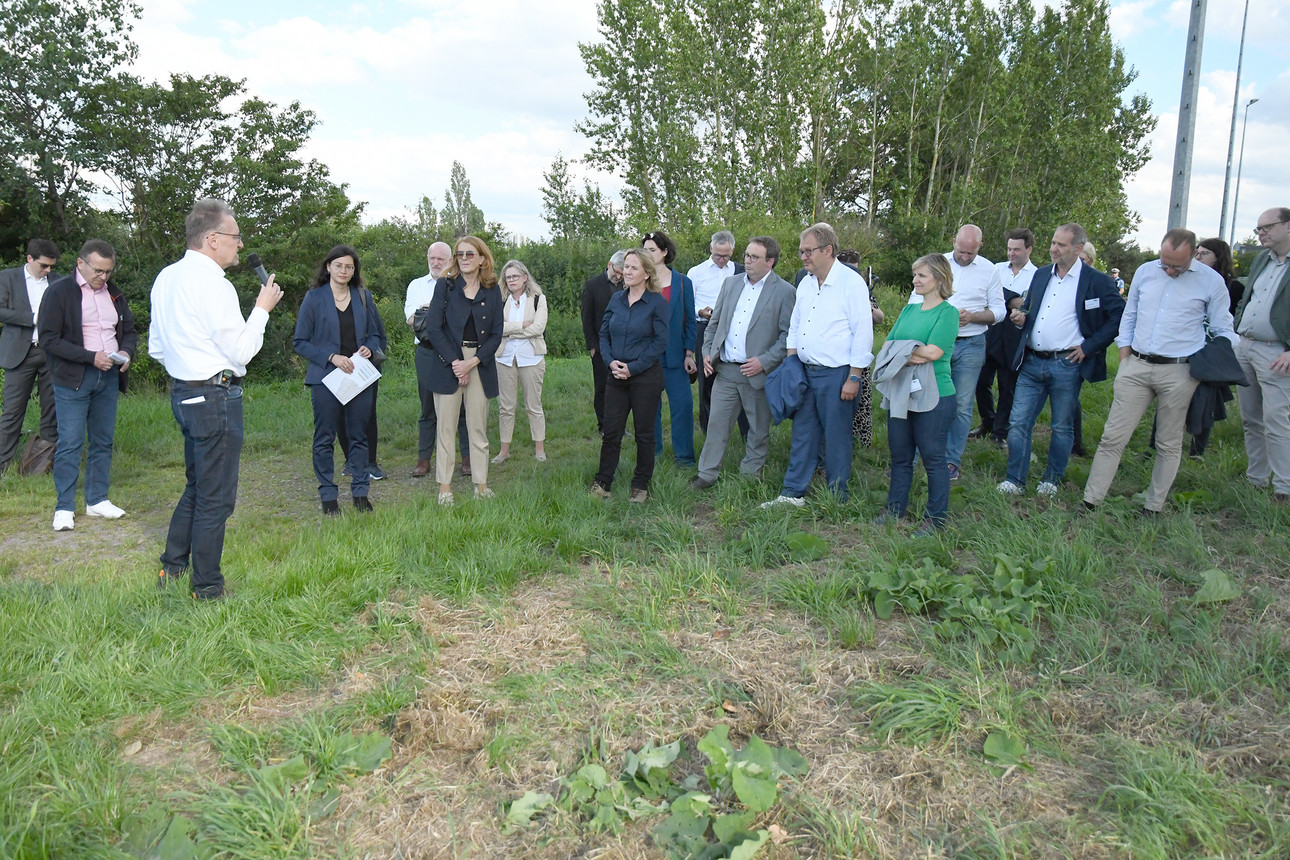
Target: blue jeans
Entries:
(965, 367)
(89, 409)
(680, 405)
(1054, 379)
(926, 433)
(211, 421)
(823, 419)
(328, 415)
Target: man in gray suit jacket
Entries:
(21, 290)
(745, 341)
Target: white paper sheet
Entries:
(347, 386)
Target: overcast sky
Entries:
(405, 87)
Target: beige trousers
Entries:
(509, 380)
(447, 407)
(1137, 384)
(1265, 414)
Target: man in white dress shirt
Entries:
(420, 291)
(199, 336)
(978, 294)
(831, 333)
(708, 277)
(1001, 340)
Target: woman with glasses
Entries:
(337, 321)
(633, 338)
(678, 358)
(521, 359)
(464, 326)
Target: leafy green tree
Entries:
(571, 213)
(460, 214)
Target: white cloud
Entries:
(1130, 19)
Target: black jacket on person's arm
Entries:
(61, 334)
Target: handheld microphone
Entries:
(253, 261)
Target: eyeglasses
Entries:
(752, 258)
(237, 236)
(717, 256)
(103, 273)
(1176, 270)
(342, 267)
(1263, 228)
(466, 255)
(806, 252)
(510, 278)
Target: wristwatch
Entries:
(853, 378)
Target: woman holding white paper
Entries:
(335, 323)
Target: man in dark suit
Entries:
(595, 295)
(744, 341)
(23, 360)
(1070, 316)
(87, 332)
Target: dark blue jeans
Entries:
(328, 414)
(926, 432)
(965, 367)
(1041, 379)
(210, 417)
(680, 405)
(822, 421)
(90, 409)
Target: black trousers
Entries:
(600, 377)
(639, 395)
(995, 419)
(428, 423)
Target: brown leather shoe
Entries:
(421, 469)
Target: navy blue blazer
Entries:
(317, 335)
(445, 322)
(682, 328)
(1098, 305)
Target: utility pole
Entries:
(1231, 138)
(1187, 117)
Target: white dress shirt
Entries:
(735, 349)
(35, 292)
(707, 280)
(977, 287)
(1056, 327)
(832, 323)
(420, 292)
(1018, 283)
(197, 328)
(519, 350)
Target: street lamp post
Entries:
(1240, 163)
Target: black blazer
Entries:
(445, 321)
(61, 334)
(16, 327)
(1099, 323)
(596, 293)
(318, 329)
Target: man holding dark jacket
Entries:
(1070, 316)
(87, 332)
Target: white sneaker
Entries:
(1009, 489)
(784, 500)
(64, 521)
(1047, 488)
(106, 510)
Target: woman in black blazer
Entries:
(464, 326)
(337, 320)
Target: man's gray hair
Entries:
(823, 234)
(1079, 236)
(617, 259)
(206, 218)
(723, 237)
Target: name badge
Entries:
(1090, 304)
(915, 386)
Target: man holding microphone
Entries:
(199, 336)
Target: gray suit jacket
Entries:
(768, 331)
(16, 316)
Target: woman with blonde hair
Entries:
(633, 338)
(933, 323)
(464, 325)
(521, 359)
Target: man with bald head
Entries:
(420, 291)
(978, 294)
(1172, 303)
(1263, 322)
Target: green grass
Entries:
(558, 626)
